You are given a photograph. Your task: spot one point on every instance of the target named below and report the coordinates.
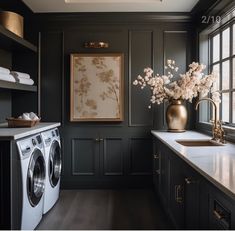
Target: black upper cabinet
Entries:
(21, 51)
(12, 42)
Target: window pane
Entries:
(234, 73)
(216, 48)
(225, 75)
(233, 107)
(225, 107)
(226, 43)
(216, 70)
(234, 39)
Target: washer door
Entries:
(54, 163)
(36, 177)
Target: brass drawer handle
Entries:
(158, 171)
(189, 181)
(156, 156)
(97, 139)
(218, 215)
(101, 139)
(178, 198)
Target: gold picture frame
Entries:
(96, 87)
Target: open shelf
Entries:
(12, 42)
(17, 86)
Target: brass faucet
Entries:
(217, 130)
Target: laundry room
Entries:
(117, 114)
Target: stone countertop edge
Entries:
(18, 133)
(228, 190)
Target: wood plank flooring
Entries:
(106, 209)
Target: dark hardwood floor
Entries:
(106, 209)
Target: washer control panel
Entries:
(26, 146)
(49, 136)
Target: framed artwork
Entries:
(96, 87)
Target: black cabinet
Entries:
(164, 167)
(156, 163)
(102, 160)
(176, 191)
(190, 200)
(192, 181)
(221, 209)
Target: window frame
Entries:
(203, 55)
(230, 58)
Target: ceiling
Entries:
(46, 6)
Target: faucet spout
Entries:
(213, 103)
(217, 130)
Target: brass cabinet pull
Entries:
(97, 139)
(156, 156)
(178, 198)
(188, 181)
(218, 215)
(101, 139)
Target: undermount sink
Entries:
(198, 143)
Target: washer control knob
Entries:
(34, 142)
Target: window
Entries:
(222, 60)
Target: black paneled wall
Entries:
(108, 154)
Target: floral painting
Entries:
(96, 87)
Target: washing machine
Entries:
(33, 172)
(52, 148)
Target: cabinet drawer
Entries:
(221, 209)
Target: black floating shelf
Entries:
(12, 42)
(17, 86)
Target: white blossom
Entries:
(186, 87)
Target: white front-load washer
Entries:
(33, 172)
(52, 147)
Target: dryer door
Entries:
(54, 163)
(36, 177)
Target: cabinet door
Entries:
(176, 199)
(164, 168)
(156, 164)
(85, 157)
(112, 156)
(191, 198)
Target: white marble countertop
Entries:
(17, 133)
(215, 163)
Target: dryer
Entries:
(52, 148)
(33, 172)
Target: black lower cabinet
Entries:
(190, 200)
(104, 160)
(176, 192)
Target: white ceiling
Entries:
(46, 6)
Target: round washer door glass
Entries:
(54, 163)
(36, 177)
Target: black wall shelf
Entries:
(12, 42)
(17, 86)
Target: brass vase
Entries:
(176, 116)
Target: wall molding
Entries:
(114, 17)
(105, 160)
(74, 173)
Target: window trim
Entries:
(219, 31)
(203, 54)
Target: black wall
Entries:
(122, 156)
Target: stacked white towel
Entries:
(5, 75)
(29, 116)
(23, 78)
